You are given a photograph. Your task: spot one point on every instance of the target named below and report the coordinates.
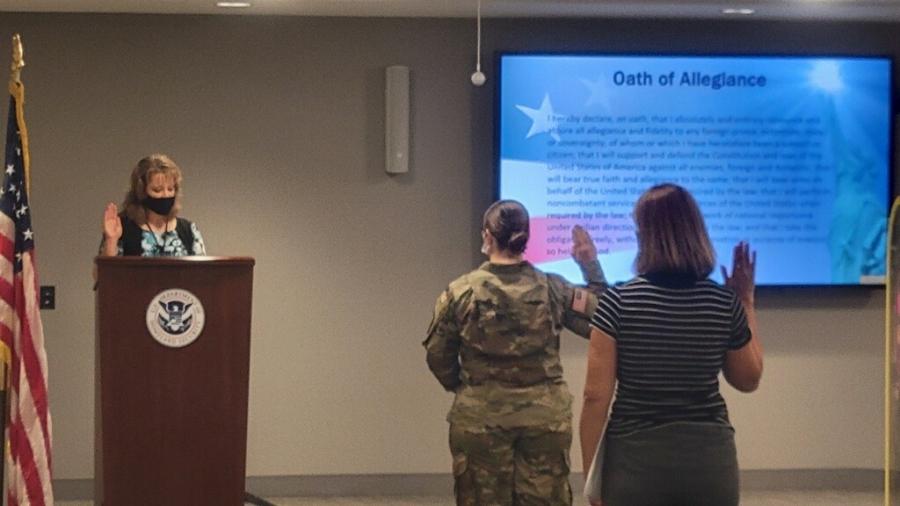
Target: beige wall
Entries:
(278, 124)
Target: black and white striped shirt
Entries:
(671, 338)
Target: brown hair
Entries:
(145, 169)
(672, 236)
(507, 221)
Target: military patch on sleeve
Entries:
(580, 300)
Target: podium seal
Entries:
(175, 318)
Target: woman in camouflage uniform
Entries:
(494, 342)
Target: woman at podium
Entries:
(149, 224)
(494, 342)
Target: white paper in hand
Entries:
(592, 482)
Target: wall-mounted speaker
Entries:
(396, 120)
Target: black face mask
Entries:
(160, 206)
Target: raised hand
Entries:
(743, 272)
(583, 249)
(112, 226)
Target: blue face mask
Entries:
(161, 206)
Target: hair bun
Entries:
(507, 222)
(517, 242)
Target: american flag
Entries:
(28, 424)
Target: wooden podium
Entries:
(171, 418)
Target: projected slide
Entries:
(791, 154)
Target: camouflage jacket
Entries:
(501, 324)
(495, 333)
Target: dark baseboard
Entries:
(849, 480)
(439, 484)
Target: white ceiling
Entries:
(882, 10)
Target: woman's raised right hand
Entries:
(112, 225)
(583, 249)
(743, 273)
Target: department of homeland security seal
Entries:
(175, 318)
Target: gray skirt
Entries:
(678, 464)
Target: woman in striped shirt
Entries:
(659, 342)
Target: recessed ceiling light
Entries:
(739, 12)
(233, 5)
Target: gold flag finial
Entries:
(18, 58)
(17, 90)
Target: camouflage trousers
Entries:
(528, 466)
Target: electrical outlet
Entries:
(48, 297)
